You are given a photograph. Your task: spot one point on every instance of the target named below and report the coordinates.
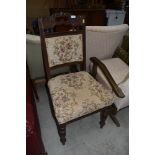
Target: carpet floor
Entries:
(84, 137)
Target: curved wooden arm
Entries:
(98, 63)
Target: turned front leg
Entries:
(103, 117)
(62, 133)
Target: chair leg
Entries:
(34, 90)
(103, 117)
(114, 119)
(112, 114)
(62, 133)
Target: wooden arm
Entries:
(98, 63)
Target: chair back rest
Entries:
(61, 49)
(102, 41)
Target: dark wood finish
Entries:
(35, 90)
(115, 87)
(103, 117)
(62, 133)
(93, 16)
(114, 119)
(69, 4)
(113, 109)
(32, 83)
(126, 21)
(110, 111)
(113, 115)
(113, 4)
(107, 109)
(60, 22)
(62, 127)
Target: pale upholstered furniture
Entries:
(120, 73)
(34, 56)
(111, 38)
(73, 95)
(102, 41)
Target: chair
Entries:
(117, 69)
(103, 41)
(72, 96)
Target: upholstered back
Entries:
(64, 49)
(102, 41)
(61, 48)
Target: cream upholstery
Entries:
(77, 94)
(64, 49)
(34, 56)
(120, 73)
(102, 41)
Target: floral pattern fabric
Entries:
(77, 94)
(64, 49)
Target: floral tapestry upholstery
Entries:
(64, 49)
(77, 94)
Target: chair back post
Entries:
(83, 66)
(43, 48)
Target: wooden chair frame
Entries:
(104, 112)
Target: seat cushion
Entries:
(77, 94)
(120, 73)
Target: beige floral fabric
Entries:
(64, 49)
(77, 94)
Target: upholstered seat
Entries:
(77, 94)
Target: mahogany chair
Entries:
(73, 95)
